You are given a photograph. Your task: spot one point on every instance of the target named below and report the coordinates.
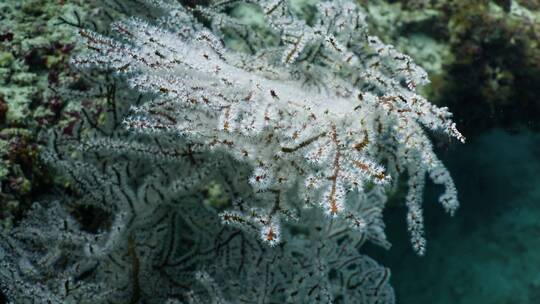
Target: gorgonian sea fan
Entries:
(324, 113)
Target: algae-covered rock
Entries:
(40, 92)
(34, 54)
(482, 56)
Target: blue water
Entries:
(489, 252)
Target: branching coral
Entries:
(305, 131)
(345, 103)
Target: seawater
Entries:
(489, 252)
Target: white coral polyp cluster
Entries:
(327, 113)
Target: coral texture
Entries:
(317, 113)
(289, 128)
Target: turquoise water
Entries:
(489, 252)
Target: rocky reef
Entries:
(483, 57)
(34, 51)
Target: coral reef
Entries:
(491, 44)
(36, 41)
(248, 154)
(34, 53)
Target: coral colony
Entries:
(253, 170)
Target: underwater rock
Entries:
(483, 57)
